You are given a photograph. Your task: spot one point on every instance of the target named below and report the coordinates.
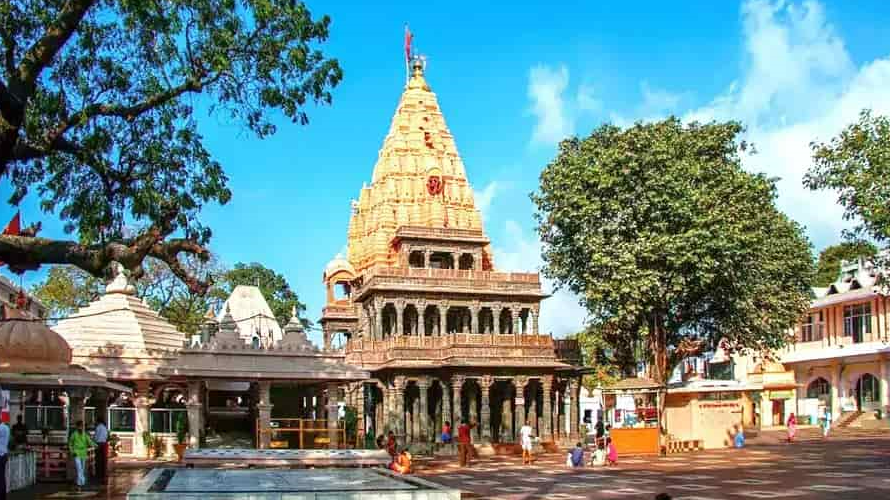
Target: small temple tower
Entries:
(444, 334)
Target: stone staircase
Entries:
(849, 419)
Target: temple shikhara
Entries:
(423, 308)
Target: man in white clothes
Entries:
(100, 437)
(525, 434)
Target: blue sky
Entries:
(514, 78)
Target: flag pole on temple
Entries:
(408, 38)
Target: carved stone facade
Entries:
(421, 306)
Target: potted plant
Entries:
(180, 445)
(148, 441)
(157, 446)
(114, 445)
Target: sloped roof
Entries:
(251, 313)
(246, 363)
(118, 318)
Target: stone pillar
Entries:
(446, 407)
(333, 416)
(473, 413)
(443, 318)
(195, 410)
(455, 256)
(423, 385)
(378, 324)
(520, 383)
(264, 413)
(533, 315)
(400, 311)
(326, 337)
(517, 319)
(557, 423)
(474, 318)
(76, 398)
(319, 403)
(506, 420)
(835, 396)
(426, 259)
(884, 384)
(575, 391)
(546, 410)
(496, 320)
(143, 403)
(399, 405)
(457, 383)
(485, 411)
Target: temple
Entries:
(422, 307)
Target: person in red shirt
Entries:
(464, 442)
(391, 444)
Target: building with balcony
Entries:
(422, 306)
(841, 355)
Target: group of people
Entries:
(604, 453)
(79, 444)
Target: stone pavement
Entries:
(851, 464)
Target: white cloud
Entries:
(484, 198)
(657, 101)
(587, 100)
(560, 314)
(798, 85)
(545, 88)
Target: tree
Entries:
(670, 243)
(97, 115)
(828, 267)
(65, 289)
(274, 287)
(856, 164)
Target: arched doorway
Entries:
(819, 389)
(868, 392)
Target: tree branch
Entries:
(39, 55)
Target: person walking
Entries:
(79, 444)
(100, 436)
(826, 423)
(464, 442)
(792, 427)
(4, 455)
(525, 434)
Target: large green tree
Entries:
(856, 164)
(282, 299)
(828, 267)
(669, 241)
(67, 288)
(98, 116)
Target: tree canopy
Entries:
(856, 164)
(828, 267)
(274, 287)
(65, 289)
(669, 242)
(98, 102)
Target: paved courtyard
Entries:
(852, 464)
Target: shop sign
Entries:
(786, 394)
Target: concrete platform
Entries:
(286, 484)
(209, 457)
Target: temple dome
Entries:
(31, 344)
(338, 263)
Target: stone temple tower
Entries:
(421, 305)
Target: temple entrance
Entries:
(502, 410)
(867, 393)
(229, 418)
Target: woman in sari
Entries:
(792, 427)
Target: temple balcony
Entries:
(459, 349)
(448, 281)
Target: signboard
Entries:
(786, 394)
(520, 401)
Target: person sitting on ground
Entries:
(577, 455)
(391, 444)
(446, 432)
(611, 452)
(739, 439)
(598, 457)
(402, 463)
